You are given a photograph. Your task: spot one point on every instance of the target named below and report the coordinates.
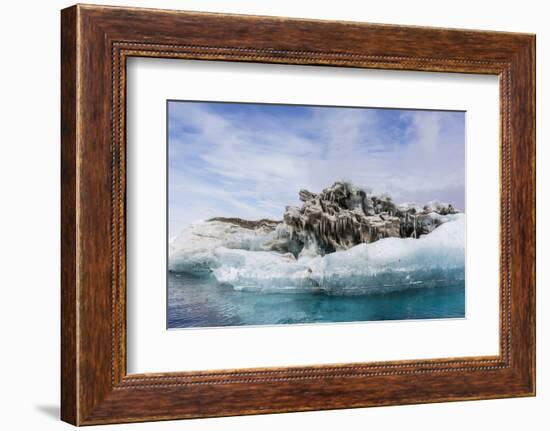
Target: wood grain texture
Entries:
(96, 41)
(69, 367)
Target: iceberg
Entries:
(344, 240)
(385, 265)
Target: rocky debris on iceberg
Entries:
(343, 216)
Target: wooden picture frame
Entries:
(95, 43)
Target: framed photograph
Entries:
(263, 214)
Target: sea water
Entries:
(202, 301)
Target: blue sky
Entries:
(250, 160)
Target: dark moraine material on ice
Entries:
(264, 223)
(343, 216)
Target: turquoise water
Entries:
(203, 302)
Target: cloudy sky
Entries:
(250, 160)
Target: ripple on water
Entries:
(203, 302)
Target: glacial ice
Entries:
(193, 250)
(240, 258)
